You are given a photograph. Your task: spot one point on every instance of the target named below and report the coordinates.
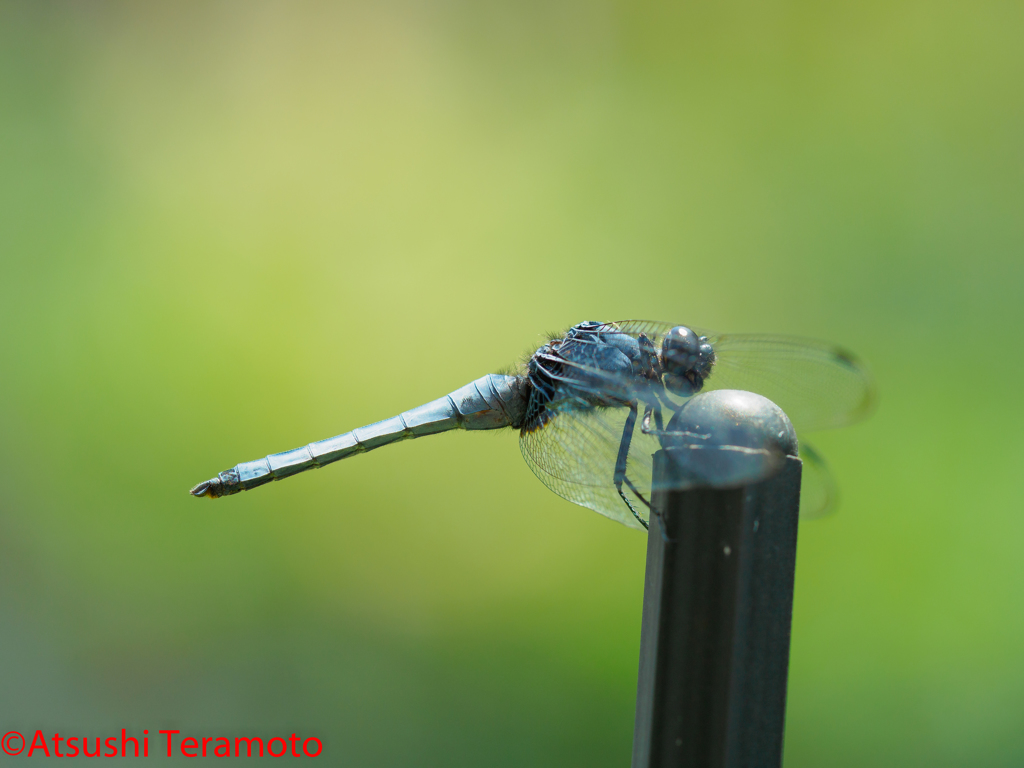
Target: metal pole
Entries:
(714, 641)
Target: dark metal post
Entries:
(714, 642)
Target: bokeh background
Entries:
(231, 228)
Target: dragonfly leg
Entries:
(627, 438)
(658, 423)
(639, 495)
(645, 427)
(631, 507)
(620, 463)
(645, 423)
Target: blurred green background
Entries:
(228, 229)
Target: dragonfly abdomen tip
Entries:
(204, 489)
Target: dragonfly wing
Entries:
(575, 452)
(819, 495)
(818, 385)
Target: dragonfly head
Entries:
(686, 360)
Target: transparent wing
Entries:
(818, 385)
(575, 452)
(819, 495)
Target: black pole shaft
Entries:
(714, 642)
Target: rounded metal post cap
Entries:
(729, 437)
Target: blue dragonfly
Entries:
(595, 403)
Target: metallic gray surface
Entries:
(714, 638)
(736, 417)
(728, 437)
(491, 402)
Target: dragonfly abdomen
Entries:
(491, 402)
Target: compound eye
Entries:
(686, 360)
(681, 347)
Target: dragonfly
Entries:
(595, 403)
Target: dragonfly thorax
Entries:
(592, 364)
(599, 365)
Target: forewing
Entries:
(652, 329)
(818, 385)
